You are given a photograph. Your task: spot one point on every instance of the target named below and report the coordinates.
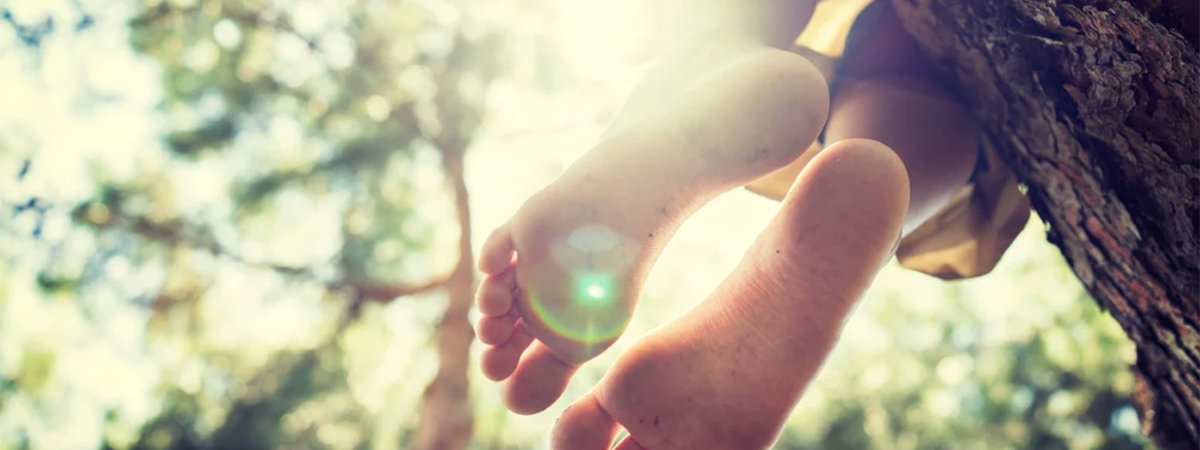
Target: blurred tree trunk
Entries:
(446, 418)
(1094, 104)
(445, 415)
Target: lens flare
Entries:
(592, 290)
(592, 315)
(595, 292)
(590, 310)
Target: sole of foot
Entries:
(565, 272)
(728, 373)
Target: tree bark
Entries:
(1095, 107)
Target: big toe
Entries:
(585, 425)
(540, 379)
(854, 196)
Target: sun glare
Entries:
(600, 36)
(596, 292)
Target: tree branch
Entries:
(377, 292)
(175, 233)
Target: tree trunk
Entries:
(446, 419)
(1095, 107)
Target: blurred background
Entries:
(249, 224)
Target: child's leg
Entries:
(584, 244)
(935, 138)
(887, 92)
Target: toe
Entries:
(539, 380)
(495, 330)
(496, 294)
(629, 444)
(498, 362)
(585, 426)
(496, 254)
(854, 195)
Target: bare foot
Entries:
(566, 270)
(727, 374)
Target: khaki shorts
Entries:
(969, 235)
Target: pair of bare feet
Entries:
(565, 272)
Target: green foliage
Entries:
(208, 251)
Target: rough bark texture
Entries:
(1095, 107)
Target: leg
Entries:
(566, 270)
(727, 374)
(934, 137)
(887, 92)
